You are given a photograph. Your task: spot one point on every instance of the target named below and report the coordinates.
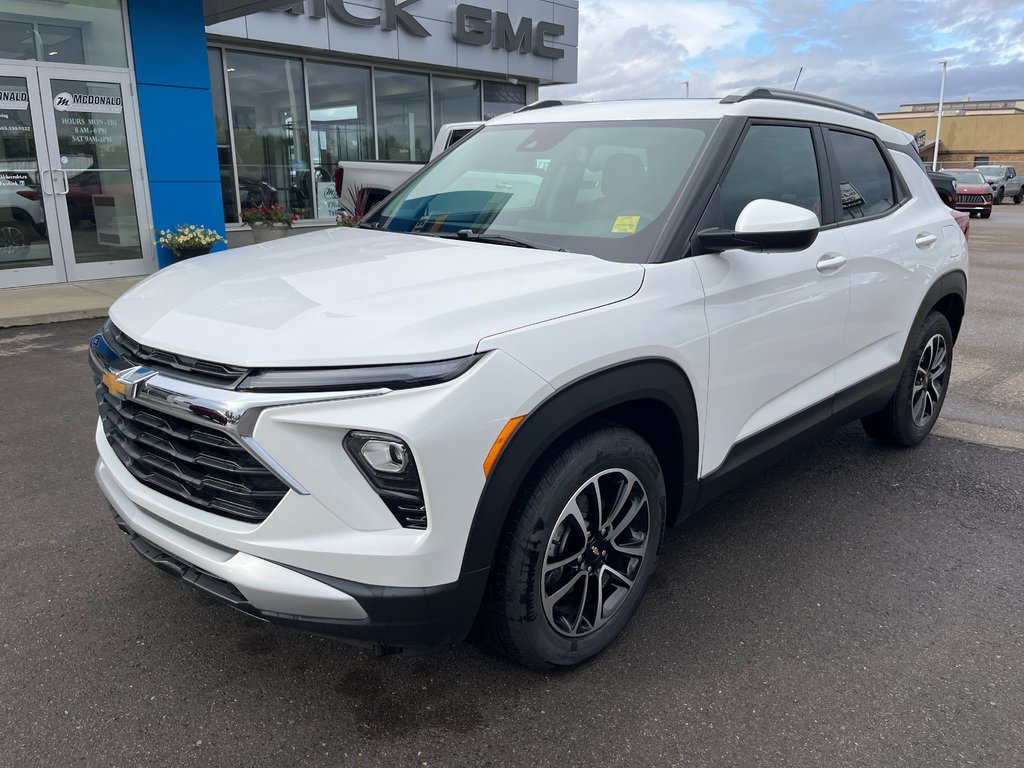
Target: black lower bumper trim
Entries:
(401, 619)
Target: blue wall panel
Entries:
(169, 43)
(176, 114)
(179, 134)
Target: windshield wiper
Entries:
(483, 237)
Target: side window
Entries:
(865, 182)
(775, 162)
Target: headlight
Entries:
(365, 377)
(388, 464)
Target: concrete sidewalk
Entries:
(61, 301)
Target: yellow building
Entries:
(973, 132)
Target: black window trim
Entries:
(901, 192)
(712, 206)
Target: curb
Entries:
(46, 318)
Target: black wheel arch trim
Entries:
(653, 379)
(951, 284)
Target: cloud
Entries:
(876, 53)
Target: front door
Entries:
(70, 197)
(776, 320)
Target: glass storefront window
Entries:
(223, 132)
(500, 98)
(403, 116)
(88, 32)
(268, 114)
(456, 100)
(341, 117)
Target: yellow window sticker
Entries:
(625, 225)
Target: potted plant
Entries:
(358, 206)
(188, 240)
(268, 222)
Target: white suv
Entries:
(573, 329)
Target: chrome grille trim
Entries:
(228, 417)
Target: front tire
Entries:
(912, 410)
(1018, 197)
(997, 198)
(986, 214)
(582, 543)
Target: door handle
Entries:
(925, 239)
(67, 184)
(830, 262)
(43, 177)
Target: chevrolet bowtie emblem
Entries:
(596, 551)
(126, 383)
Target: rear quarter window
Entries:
(866, 185)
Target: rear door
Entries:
(776, 320)
(898, 234)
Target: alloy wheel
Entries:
(929, 380)
(595, 552)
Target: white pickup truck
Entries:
(361, 184)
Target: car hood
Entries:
(972, 189)
(353, 297)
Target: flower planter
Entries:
(187, 253)
(262, 232)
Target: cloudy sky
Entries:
(875, 53)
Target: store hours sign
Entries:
(471, 24)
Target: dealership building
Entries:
(120, 118)
(986, 132)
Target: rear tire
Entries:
(581, 544)
(912, 410)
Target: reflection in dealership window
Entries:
(89, 32)
(403, 116)
(268, 113)
(341, 116)
(456, 100)
(500, 98)
(223, 132)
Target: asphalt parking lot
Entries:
(857, 606)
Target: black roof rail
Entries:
(547, 103)
(780, 94)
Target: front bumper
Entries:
(331, 557)
(974, 207)
(388, 619)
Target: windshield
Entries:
(967, 177)
(990, 170)
(600, 188)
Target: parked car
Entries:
(945, 186)
(487, 404)
(973, 194)
(1004, 181)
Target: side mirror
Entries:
(764, 225)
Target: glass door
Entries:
(95, 161)
(29, 253)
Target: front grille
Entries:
(182, 366)
(970, 198)
(198, 466)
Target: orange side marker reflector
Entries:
(499, 444)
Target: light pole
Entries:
(687, 84)
(938, 123)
